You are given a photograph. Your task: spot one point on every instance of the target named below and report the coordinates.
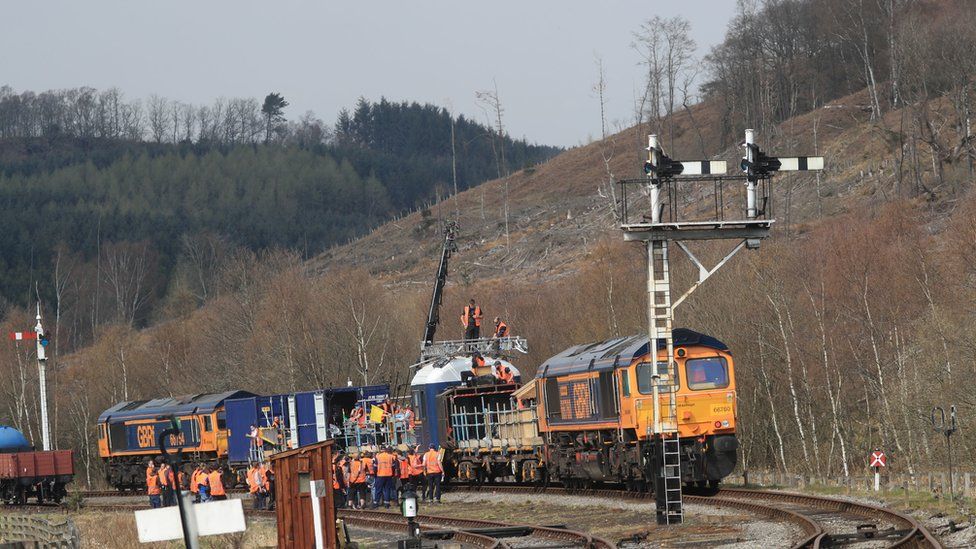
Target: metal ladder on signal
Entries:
(661, 326)
(673, 512)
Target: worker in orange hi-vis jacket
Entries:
(152, 486)
(435, 474)
(471, 320)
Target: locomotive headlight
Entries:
(725, 423)
(718, 424)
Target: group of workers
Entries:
(502, 373)
(385, 423)
(206, 483)
(471, 321)
(362, 480)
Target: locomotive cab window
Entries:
(645, 373)
(221, 420)
(207, 424)
(707, 373)
(625, 382)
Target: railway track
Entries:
(126, 493)
(476, 533)
(466, 527)
(825, 522)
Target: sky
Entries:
(323, 55)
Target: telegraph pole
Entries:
(665, 223)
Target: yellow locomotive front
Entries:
(597, 409)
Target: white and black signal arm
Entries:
(660, 166)
(757, 164)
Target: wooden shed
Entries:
(294, 472)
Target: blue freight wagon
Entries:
(288, 421)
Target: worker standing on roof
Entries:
(152, 485)
(471, 320)
(501, 329)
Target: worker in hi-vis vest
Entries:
(435, 474)
(471, 320)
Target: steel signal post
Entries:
(946, 425)
(41, 340)
(666, 222)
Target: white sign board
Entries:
(215, 517)
(318, 488)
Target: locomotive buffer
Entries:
(666, 184)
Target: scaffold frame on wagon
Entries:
(484, 346)
(479, 422)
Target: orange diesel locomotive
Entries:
(128, 434)
(588, 417)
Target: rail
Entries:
(915, 536)
(390, 521)
(580, 539)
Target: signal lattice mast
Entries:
(668, 223)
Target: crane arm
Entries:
(433, 316)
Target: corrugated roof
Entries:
(603, 355)
(180, 405)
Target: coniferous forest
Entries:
(123, 183)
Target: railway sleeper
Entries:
(865, 532)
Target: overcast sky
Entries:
(322, 55)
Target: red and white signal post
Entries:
(878, 460)
(42, 340)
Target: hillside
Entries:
(559, 209)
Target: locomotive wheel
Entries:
(542, 478)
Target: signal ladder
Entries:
(667, 446)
